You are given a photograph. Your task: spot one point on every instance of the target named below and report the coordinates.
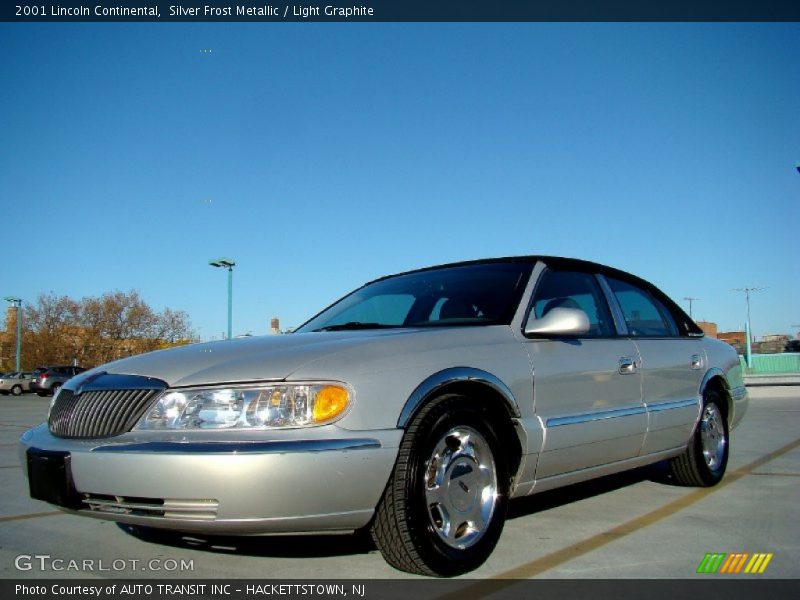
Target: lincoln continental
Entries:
(415, 408)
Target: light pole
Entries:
(229, 264)
(17, 304)
(747, 291)
(690, 299)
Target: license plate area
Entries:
(50, 478)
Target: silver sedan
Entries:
(15, 383)
(416, 407)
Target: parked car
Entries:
(49, 379)
(15, 383)
(416, 407)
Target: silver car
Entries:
(417, 406)
(15, 383)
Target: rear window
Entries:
(644, 315)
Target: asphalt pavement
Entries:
(634, 525)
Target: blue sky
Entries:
(321, 156)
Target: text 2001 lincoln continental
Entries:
(415, 406)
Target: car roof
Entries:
(559, 261)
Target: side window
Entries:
(668, 319)
(574, 289)
(644, 315)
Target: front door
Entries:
(587, 388)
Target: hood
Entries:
(265, 358)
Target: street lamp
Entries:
(747, 291)
(227, 263)
(17, 304)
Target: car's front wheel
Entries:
(444, 507)
(704, 461)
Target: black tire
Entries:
(704, 461)
(420, 535)
(16, 390)
(54, 389)
(42, 394)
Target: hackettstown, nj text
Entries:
(302, 589)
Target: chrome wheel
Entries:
(461, 487)
(712, 436)
(705, 459)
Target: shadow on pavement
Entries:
(312, 546)
(285, 546)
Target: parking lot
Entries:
(634, 525)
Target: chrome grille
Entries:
(98, 414)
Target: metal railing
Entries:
(772, 364)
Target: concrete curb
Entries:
(776, 379)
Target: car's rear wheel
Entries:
(16, 390)
(704, 461)
(444, 507)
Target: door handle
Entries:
(697, 361)
(627, 365)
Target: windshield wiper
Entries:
(352, 325)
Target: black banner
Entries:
(401, 10)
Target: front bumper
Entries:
(331, 480)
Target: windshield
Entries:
(473, 294)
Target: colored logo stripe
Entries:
(758, 563)
(735, 562)
(710, 563)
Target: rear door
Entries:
(672, 366)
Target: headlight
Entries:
(261, 406)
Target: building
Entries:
(8, 341)
(737, 339)
(772, 344)
(709, 328)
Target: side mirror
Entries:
(558, 321)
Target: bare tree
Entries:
(51, 313)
